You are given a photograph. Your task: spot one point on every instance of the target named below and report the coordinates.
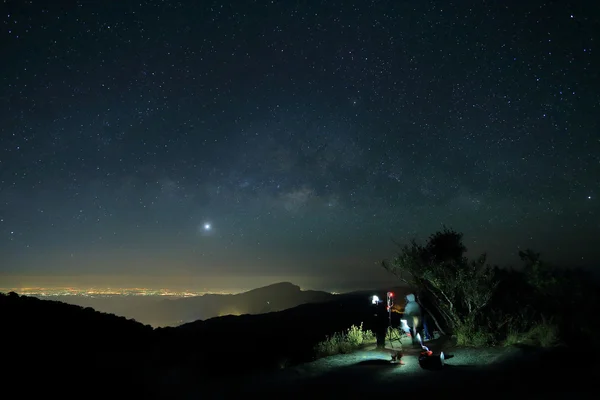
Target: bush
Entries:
(344, 342)
(544, 334)
(468, 333)
(478, 305)
(457, 289)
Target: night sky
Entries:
(190, 140)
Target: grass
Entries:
(470, 335)
(344, 342)
(543, 334)
(473, 339)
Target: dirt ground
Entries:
(488, 372)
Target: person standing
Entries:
(414, 318)
(380, 322)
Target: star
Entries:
(205, 229)
(340, 144)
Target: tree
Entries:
(458, 289)
(540, 276)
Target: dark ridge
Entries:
(174, 312)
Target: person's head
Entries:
(410, 298)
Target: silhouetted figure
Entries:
(380, 322)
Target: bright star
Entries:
(207, 227)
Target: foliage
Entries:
(547, 305)
(344, 342)
(457, 288)
(468, 333)
(479, 305)
(543, 334)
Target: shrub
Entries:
(344, 342)
(543, 334)
(457, 289)
(479, 305)
(467, 333)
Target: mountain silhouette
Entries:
(276, 297)
(161, 312)
(50, 341)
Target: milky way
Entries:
(307, 135)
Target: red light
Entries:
(391, 294)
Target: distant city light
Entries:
(109, 292)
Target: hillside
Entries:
(51, 339)
(276, 297)
(160, 312)
(55, 323)
(273, 339)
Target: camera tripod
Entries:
(391, 334)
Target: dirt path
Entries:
(371, 367)
(496, 370)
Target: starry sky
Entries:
(293, 139)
